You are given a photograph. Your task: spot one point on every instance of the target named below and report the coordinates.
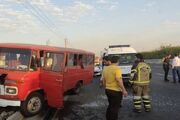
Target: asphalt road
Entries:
(91, 103)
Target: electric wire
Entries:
(41, 19)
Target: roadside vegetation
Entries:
(161, 52)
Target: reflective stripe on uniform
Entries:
(137, 97)
(137, 106)
(146, 97)
(141, 82)
(137, 102)
(146, 101)
(147, 106)
(133, 71)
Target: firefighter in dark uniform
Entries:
(141, 75)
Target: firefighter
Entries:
(140, 83)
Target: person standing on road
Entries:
(114, 88)
(140, 84)
(176, 68)
(106, 62)
(166, 65)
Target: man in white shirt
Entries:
(176, 68)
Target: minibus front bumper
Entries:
(5, 103)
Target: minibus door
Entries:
(52, 79)
(52, 85)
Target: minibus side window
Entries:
(84, 59)
(41, 61)
(72, 60)
(58, 62)
(34, 62)
(66, 59)
(90, 60)
(2, 59)
(54, 61)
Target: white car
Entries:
(97, 70)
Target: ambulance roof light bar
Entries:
(114, 46)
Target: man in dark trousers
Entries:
(166, 66)
(114, 88)
(106, 62)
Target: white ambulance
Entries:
(126, 58)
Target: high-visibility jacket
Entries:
(142, 73)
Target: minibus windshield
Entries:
(125, 59)
(14, 59)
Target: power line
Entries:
(41, 14)
(44, 19)
(34, 13)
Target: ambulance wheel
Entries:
(32, 105)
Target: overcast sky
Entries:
(91, 24)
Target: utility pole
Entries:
(65, 42)
(48, 42)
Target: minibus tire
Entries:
(78, 87)
(24, 104)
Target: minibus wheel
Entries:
(78, 87)
(32, 105)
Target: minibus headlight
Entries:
(11, 90)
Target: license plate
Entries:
(1, 89)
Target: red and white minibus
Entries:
(31, 74)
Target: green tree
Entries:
(161, 52)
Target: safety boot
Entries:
(137, 110)
(147, 110)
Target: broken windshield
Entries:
(14, 58)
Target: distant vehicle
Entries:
(31, 74)
(126, 58)
(97, 70)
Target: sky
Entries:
(91, 24)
